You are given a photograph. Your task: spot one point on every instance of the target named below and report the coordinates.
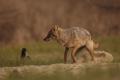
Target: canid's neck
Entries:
(60, 36)
(59, 33)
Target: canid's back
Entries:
(77, 33)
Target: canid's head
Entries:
(52, 34)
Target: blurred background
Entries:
(29, 20)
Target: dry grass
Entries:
(64, 72)
(51, 52)
(44, 54)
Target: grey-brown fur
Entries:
(74, 38)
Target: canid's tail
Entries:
(95, 45)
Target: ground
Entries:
(47, 63)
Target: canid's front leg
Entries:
(65, 54)
(73, 54)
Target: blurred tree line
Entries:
(29, 20)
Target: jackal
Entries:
(74, 38)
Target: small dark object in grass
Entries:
(24, 54)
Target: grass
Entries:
(49, 53)
(96, 73)
(41, 53)
(112, 45)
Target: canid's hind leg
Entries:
(74, 51)
(90, 48)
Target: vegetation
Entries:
(51, 52)
(26, 20)
(40, 53)
(97, 73)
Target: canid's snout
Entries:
(46, 39)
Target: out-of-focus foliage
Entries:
(27, 20)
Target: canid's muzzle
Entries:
(47, 38)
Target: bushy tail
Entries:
(96, 45)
